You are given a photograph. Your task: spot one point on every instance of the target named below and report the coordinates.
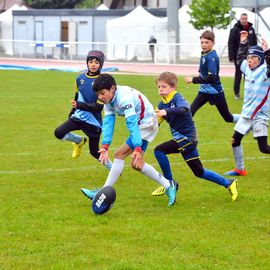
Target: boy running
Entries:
(255, 110)
(176, 111)
(142, 125)
(86, 112)
(211, 89)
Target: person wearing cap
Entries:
(233, 45)
(255, 110)
(86, 111)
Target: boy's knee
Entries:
(58, 134)
(228, 119)
(264, 149)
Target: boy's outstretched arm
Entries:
(243, 47)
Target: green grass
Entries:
(46, 223)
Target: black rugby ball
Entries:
(103, 200)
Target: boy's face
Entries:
(93, 65)
(207, 44)
(105, 95)
(164, 88)
(253, 61)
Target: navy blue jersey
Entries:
(209, 64)
(86, 94)
(180, 121)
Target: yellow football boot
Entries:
(77, 148)
(159, 191)
(233, 189)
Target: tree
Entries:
(210, 13)
(52, 4)
(88, 4)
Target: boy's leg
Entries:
(263, 146)
(222, 106)
(199, 171)
(197, 103)
(115, 171)
(260, 132)
(63, 133)
(118, 164)
(161, 152)
(238, 155)
(170, 188)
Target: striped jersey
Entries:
(256, 92)
(209, 64)
(86, 94)
(127, 102)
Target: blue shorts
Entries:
(188, 149)
(143, 146)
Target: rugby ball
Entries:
(103, 200)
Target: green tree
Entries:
(52, 4)
(210, 13)
(88, 4)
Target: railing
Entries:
(163, 53)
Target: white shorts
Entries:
(149, 130)
(259, 127)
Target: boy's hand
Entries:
(104, 156)
(188, 80)
(137, 160)
(243, 36)
(264, 44)
(160, 113)
(73, 104)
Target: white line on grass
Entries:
(88, 168)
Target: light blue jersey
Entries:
(84, 84)
(256, 92)
(132, 105)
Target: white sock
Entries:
(72, 137)
(150, 171)
(235, 117)
(115, 172)
(239, 157)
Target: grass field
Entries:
(46, 223)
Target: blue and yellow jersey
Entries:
(178, 116)
(209, 65)
(86, 94)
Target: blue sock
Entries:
(216, 178)
(164, 164)
(72, 137)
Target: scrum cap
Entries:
(99, 55)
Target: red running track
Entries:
(140, 68)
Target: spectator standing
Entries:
(152, 45)
(233, 45)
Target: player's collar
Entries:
(169, 97)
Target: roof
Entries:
(5, 5)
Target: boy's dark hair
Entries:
(103, 81)
(207, 34)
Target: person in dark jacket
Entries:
(233, 45)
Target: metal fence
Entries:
(134, 52)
